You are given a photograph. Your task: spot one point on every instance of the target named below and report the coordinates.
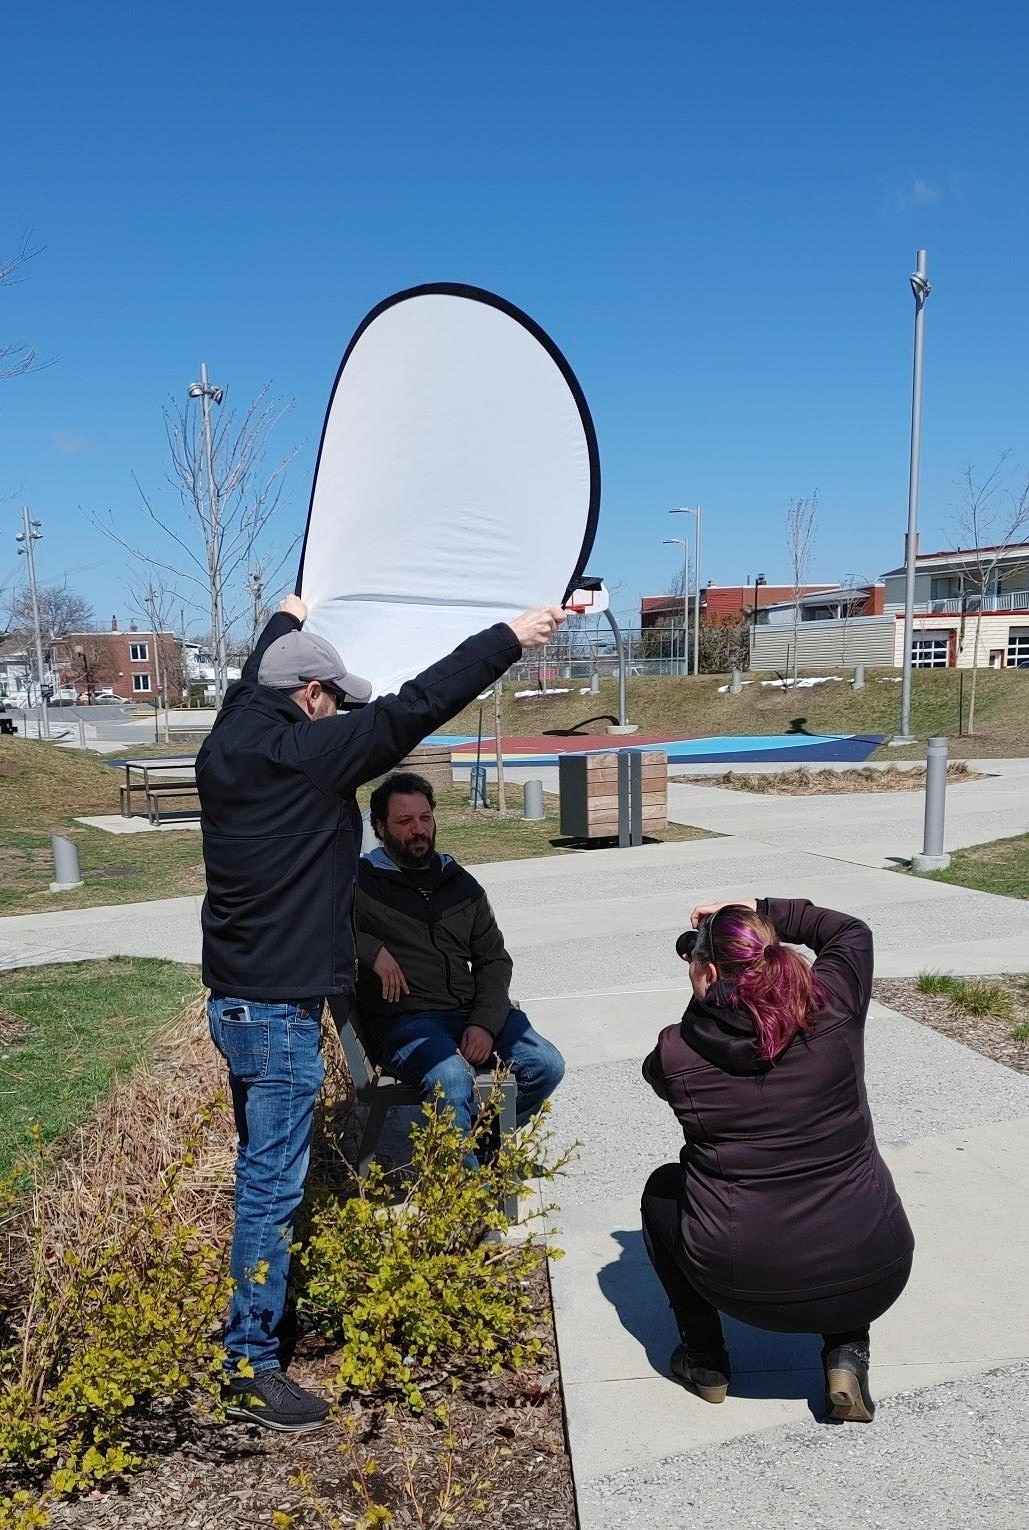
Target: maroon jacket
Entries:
(785, 1196)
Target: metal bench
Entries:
(381, 1094)
(166, 789)
(125, 794)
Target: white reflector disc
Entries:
(457, 483)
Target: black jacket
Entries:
(448, 945)
(281, 827)
(785, 1195)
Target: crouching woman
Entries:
(781, 1211)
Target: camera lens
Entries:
(685, 944)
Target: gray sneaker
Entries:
(273, 1401)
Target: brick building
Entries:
(126, 663)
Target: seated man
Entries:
(432, 987)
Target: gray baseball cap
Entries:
(293, 660)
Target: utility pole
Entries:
(30, 533)
(208, 395)
(151, 597)
(920, 290)
(255, 584)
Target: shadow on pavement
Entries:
(782, 1365)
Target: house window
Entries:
(1018, 647)
(141, 682)
(138, 654)
(945, 587)
(930, 650)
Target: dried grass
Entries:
(103, 1175)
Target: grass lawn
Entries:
(999, 867)
(43, 790)
(66, 1031)
(693, 708)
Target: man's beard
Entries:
(416, 859)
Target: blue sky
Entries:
(712, 209)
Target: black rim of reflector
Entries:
(480, 295)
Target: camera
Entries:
(686, 944)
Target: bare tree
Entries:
(88, 664)
(224, 542)
(17, 358)
(158, 604)
(990, 523)
(60, 611)
(800, 540)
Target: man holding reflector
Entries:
(457, 484)
(295, 738)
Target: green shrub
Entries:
(99, 1336)
(1020, 1032)
(981, 998)
(936, 982)
(405, 1287)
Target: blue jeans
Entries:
(421, 1049)
(275, 1072)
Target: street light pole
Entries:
(208, 395)
(30, 533)
(684, 510)
(684, 544)
(759, 580)
(920, 290)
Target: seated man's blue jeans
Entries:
(275, 1072)
(421, 1050)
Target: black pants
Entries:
(840, 1319)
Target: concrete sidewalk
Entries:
(592, 936)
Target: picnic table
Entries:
(158, 777)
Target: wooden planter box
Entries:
(433, 761)
(589, 793)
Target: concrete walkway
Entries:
(593, 940)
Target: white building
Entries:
(954, 595)
(955, 598)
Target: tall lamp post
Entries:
(759, 580)
(208, 395)
(685, 510)
(920, 290)
(31, 532)
(684, 544)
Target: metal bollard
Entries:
(66, 864)
(594, 684)
(859, 677)
(736, 682)
(532, 802)
(933, 856)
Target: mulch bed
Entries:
(989, 1035)
(510, 1448)
(800, 781)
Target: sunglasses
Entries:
(338, 696)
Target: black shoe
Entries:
(706, 1374)
(273, 1401)
(846, 1384)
